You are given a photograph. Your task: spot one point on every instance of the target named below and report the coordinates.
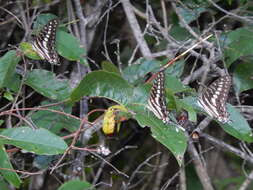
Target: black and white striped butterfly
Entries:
(156, 101)
(44, 43)
(213, 99)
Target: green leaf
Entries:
(175, 85)
(27, 49)
(190, 15)
(43, 19)
(55, 122)
(7, 68)
(39, 141)
(179, 33)
(3, 185)
(75, 185)
(8, 96)
(239, 44)
(176, 69)
(174, 140)
(136, 72)
(110, 67)
(103, 84)
(242, 76)
(239, 126)
(46, 83)
(10, 176)
(69, 46)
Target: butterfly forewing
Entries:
(44, 43)
(156, 101)
(213, 99)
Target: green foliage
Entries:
(55, 122)
(28, 51)
(7, 70)
(68, 46)
(97, 83)
(39, 141)
(75, 185)
(52, 87)
(126, 88)
(108, 66)
(242, 77)
(10, 176)
(238, 44)
(172, 138)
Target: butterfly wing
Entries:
(44, 43)
(213, 99)
(156, 101)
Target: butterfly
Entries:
(156, 100)
(213, 99)
(44, 43)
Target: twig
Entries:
(247, 181)
(182, 178)
(200, 168)
(176, 58)
(227, 147)
(136, 29)
(160, 172)
(245, 19)
(138, 168)
(22, 172)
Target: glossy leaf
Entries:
(75, 185)
(176, 69)
(3, 185)
(136, 72)
(10, 176)
(46, 83)
(55, 122)
(43, 19)
(110, 67)
(39, 141)
(175, 85)
(69, 46)
(28, 51)
(239, 44)
(103, 84)
(243, 76)
(7, 68)
(190, 15)
(174, 140)
(239, 126)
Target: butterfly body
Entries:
(157, 101)
(213, 99)
(44, 43)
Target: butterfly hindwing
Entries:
(213, 99)
(44, 43)
(157, 101)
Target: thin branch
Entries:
(200, 168)
(136, 29)
(226, 147)
(247, 181)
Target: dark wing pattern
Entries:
(213, 99)
(44, 43)
(156, 101)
